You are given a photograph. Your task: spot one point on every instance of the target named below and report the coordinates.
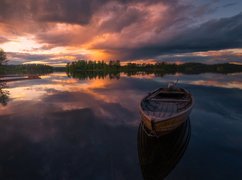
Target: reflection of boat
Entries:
(165, 109)
(158, 156)
(18, 78)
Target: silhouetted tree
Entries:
(3, 57)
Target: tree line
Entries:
(23, 69)
(3, 57)
(82, 66)
(38, 69)
(85, 65)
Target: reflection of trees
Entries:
(158, 156)
(108, 74)
(94, 75)
(4, 94)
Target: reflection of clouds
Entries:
(234, 84)
(222, 101)
(34, 90)
(66, 93)
(206, 79)
(115, 111)
(67, 128)
(216, 135)
(108, 98)
(51, 143)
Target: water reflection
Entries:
(59, 127)
(158, 156)
(4, 94)
(111, 75)
(205, 79)
(45, 142)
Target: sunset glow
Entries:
(173, 31)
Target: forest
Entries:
(37, 69)
(83, 69)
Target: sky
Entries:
(55, 32)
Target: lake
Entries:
(59, 127)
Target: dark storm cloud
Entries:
(54, 140)
(213, 35)
(218, 34)
(205, 8)
(69, 11)
(10, 9)
(126, 16)
(187, 57)
(76, 11)
(229, 4)
(63, 11)
(59, 39)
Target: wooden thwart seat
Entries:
(170, 100)
(166, 110)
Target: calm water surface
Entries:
(59, 127)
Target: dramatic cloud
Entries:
(211, 57)
(118, 29)
(219, 34)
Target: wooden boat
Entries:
(165, 109)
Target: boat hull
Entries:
(165, 126)
(161, 126)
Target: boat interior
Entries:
(164, 103)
